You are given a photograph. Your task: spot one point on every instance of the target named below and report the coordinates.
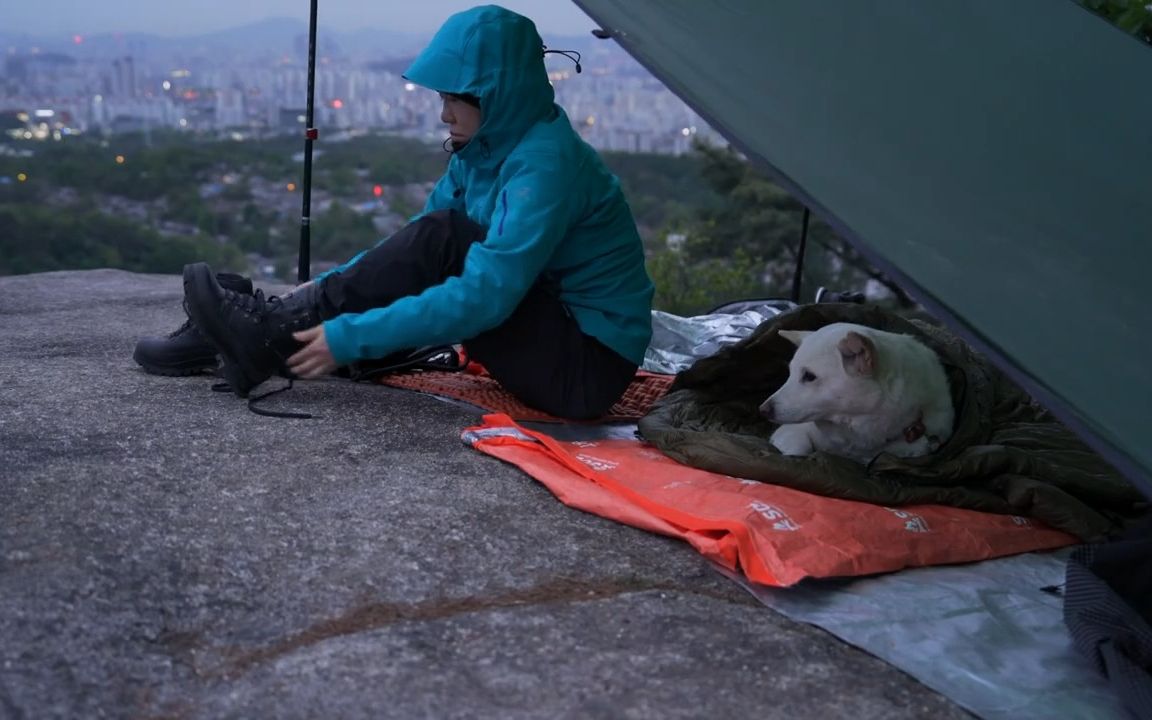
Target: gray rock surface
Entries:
(166, 553)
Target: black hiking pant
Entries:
(539, 354)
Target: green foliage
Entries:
(741, 230)
(341, 232)
(236, 192)
(754, 215)
(163, 173)
(142, 175)
(754, 219)
(1131, 16)
(184, 205)
(405, 208)
(384, 159)
(154, 167)
(216, 224)
(39, 239)
(686, 287)
(340, 181)
(15, 192)
(661, 189)
(254, 233)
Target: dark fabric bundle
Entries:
(1007, 454)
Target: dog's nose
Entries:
(766, 408)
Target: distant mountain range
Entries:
(270, 37)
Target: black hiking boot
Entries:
(184, 351)
(253, 334)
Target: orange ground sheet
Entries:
(773, 535)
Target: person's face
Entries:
(462, 119)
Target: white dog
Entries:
(855, 391)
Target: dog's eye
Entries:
(807, 376)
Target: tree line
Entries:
(733, 233)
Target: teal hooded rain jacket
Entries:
(550, 207)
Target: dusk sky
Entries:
(163, 17)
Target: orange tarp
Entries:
(774, 535)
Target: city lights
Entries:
(130, 90)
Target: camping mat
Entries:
(481, 390)
(774, 535)
(989, 635)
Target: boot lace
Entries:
(226, 388)
(441, 357)
(259, 304)
(252, 304)
(187, 325)
(444, 358)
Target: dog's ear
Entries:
(858, 354)
(795, 336)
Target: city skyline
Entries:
(250, 81)
(66, 18)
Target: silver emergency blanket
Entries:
(678, 342)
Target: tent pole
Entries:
(304, 262)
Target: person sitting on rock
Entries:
(526, 252)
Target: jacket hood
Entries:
(498, 56)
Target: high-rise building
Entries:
(124, 77)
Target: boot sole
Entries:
(200, 291)
(194, 367)
(177, 371)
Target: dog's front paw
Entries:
(793, 439)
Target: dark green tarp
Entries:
(993, 157)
